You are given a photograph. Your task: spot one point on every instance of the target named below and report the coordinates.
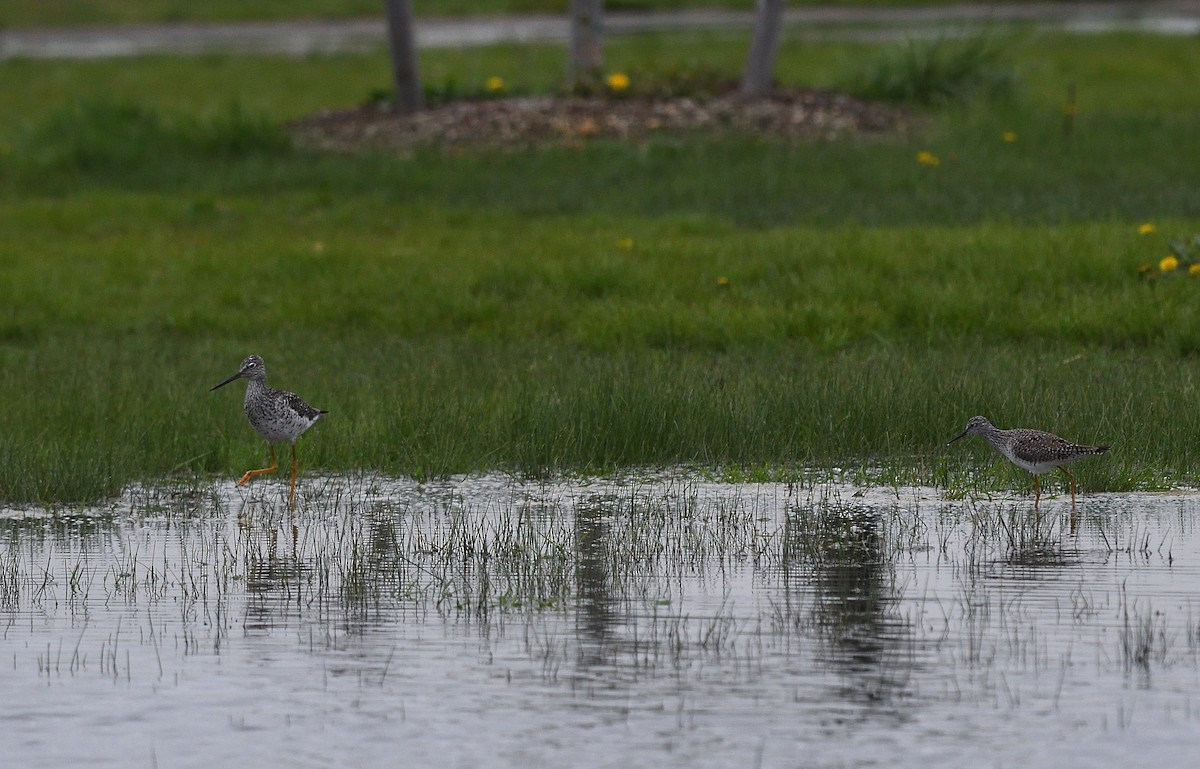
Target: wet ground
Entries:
(662, 621)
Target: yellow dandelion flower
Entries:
(1168, 263)
(1009, 137)
(927, 158)
(1194, 269)
(1146, 228)
(625, 244)
(722, 281)
(494, 84)
(617, 81)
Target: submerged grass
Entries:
(742, 305)
(574, 589)
(656, 553)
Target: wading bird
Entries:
(277, 415)
(1031, 450)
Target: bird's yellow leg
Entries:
(1037, 492)
(292, 493)
(1072, 479)
(251, 473)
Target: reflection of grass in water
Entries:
(1032, 535)
(1144, 638)
(619, 563)
(529, 549)
(359, 559)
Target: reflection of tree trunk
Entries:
(764, 44)
(403, 44)
(592, 578)
(587, 41)
(841, 560)
(854, 600)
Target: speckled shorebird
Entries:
(1031, 450)
(277, 415)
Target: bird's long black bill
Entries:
(952, 440)
(227, 381)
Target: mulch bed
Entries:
(535, 121)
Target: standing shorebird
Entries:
(277, 415)
(1031, 450)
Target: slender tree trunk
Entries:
(403, 42)
(586, 57)
(764, 47)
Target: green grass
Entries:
(938, 71)
(735, 304)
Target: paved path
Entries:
(305, 37)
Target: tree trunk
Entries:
(403, 42)
(764, 47)
(586, 57)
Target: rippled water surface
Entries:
(652, 622)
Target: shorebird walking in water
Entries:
(1031, 450)
(277, 415)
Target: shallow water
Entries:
(651, 622)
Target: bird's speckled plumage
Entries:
(1031, 450)
(278, 416)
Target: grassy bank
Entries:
(747, 306)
